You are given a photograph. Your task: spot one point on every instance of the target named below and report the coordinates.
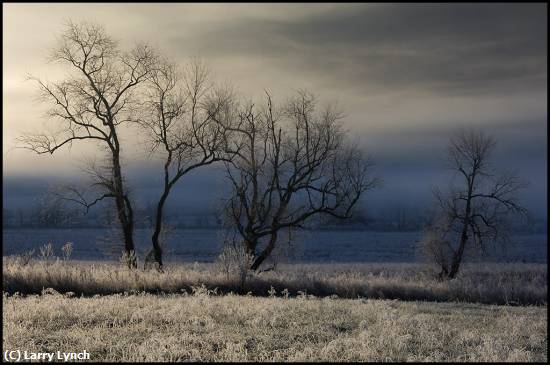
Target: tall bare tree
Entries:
(291, 164)
(185, 118)
(478, 209)
(92, 104)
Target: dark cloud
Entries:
(447, 48)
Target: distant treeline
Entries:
(398, 220)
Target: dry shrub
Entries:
(46, 251)
(235, 262)
(67, 250)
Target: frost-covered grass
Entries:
(516, 284)
(203, 327)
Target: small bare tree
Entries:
(477, 211)
(185, 118)
(291, 164)
(92, 104)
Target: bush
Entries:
(46, 251)
(235, 262)
(67, 250)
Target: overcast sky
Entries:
(407, 76)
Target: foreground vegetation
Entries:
(294, 313)
(513, 284)
(204, 327)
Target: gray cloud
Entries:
(444, 48)
(406, 75)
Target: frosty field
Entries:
(489, 283)
(320, 304)
(393, 311)
(203, 327)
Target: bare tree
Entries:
(185, 118)
(92, 104)
(477, 211)
(291, 164)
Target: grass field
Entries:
(204, 327)
(314, 312)
(514, 284)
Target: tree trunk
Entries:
(250, 244)
(124, 210)
(265, 253)
(126, 222)
(457, 257)
(157, 250)
(444, 272)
